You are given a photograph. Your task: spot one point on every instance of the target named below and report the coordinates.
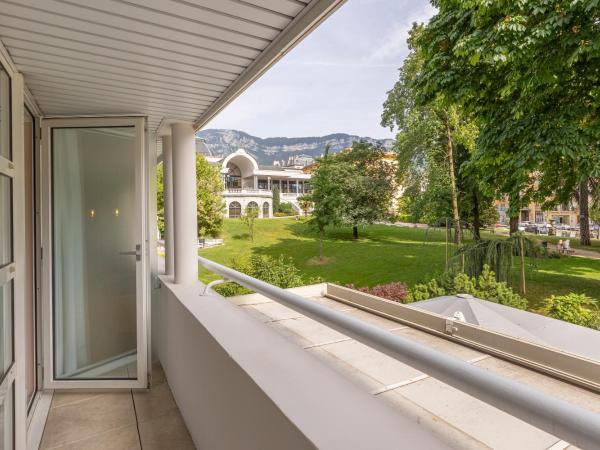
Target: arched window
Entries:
(235, 210)
(252, 205)
(266, 210)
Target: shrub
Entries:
(574, 308)
(397, 292)
(280, 272)
(286, 207)
(485, 286)
(282, 214)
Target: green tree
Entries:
(368, 183)
(249, 219)
(210, 206)
(160, 199)
(529, 72)
(276, 199)
(434, 143)
(327, 196)
(305, 202)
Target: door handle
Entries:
(137, 253)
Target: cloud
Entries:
(336, 79)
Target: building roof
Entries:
(167, 59)
(459, 419)
(525, 325)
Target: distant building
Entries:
(245, 184)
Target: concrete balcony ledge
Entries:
(247, 192)
(241, 385)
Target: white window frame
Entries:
(142, 304)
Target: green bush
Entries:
(575, 308)
(280, 272)
(286, 207)
(485, 286)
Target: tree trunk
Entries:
(476, 217)
(321, 236)
(514, 224)
(522, 252)
(355, 232)
(455, 212)
(584, 222)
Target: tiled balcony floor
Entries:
(119, 420)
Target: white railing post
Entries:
(184, 202)
(168, 204)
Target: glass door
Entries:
(95, 256)
(8, 267)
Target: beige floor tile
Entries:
(153, 403)
(125, 438)
(476, 418)
(167, 432)
(375, 364)
(289, 334)
(64, 398)
(79, 420)
(440, 344)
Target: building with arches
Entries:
(247, 184)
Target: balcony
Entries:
(247, 192)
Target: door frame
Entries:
(142, 271)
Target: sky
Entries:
(336, 79)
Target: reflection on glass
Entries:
(5, 149)
(94, 285)
(5, 220)
(6, 421)
(6, 334)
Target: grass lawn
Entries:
(384, 254)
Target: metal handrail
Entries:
(569, 422)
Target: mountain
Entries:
(223, 142)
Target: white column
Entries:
(185, 224)
(168, 202)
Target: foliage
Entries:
(327, 196)
(160, 199)
(484, 286)
(498, 254)
(368, 184)
(305, 202)
(396, 291)
(209, 202)
(286, 208)
(276, 199)
(529, 73)
(575, 308)
(248, 218)
(434, 143)
(279, 271)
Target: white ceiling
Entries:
(168, 59)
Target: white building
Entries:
(248, 184)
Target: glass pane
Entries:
(30, 310)
(6, 333)
(5, 149)
(6, 421)
(5, 220)
(94, 221)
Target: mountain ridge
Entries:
(222, 142)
